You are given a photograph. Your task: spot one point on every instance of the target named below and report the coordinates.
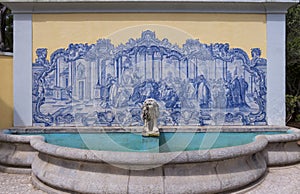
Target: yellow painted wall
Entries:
(55, 31)
(6, 91)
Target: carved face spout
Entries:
(150, 113)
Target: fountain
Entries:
(67, 168)
(212, 116)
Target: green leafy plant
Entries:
(293, 51)
(292, 108)
(6, 29)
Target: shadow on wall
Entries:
(6, 114)
(6, 91)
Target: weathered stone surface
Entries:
(238, 172)
(213, 170)
(14, 170)
(191, 178)
(16, 153)
(293, 151)
(278, 180)
(146, 181)
(17, 183)
(83, 177)
(16, 157)
(282, 153)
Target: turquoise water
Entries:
(167, 142)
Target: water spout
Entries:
(150, 113)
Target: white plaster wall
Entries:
(276, 69)
(22, 70)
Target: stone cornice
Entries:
(117, 6)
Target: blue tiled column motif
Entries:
(105, 85)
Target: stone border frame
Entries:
(192, 6)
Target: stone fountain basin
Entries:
(57, 169)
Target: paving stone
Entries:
(280, 180)
(17, 184)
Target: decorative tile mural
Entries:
(105, 85)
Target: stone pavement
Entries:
(278, 180)
(17, 184)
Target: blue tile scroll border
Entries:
(105, 85)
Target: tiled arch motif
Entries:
(104, 85)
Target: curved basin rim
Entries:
(142, 158)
